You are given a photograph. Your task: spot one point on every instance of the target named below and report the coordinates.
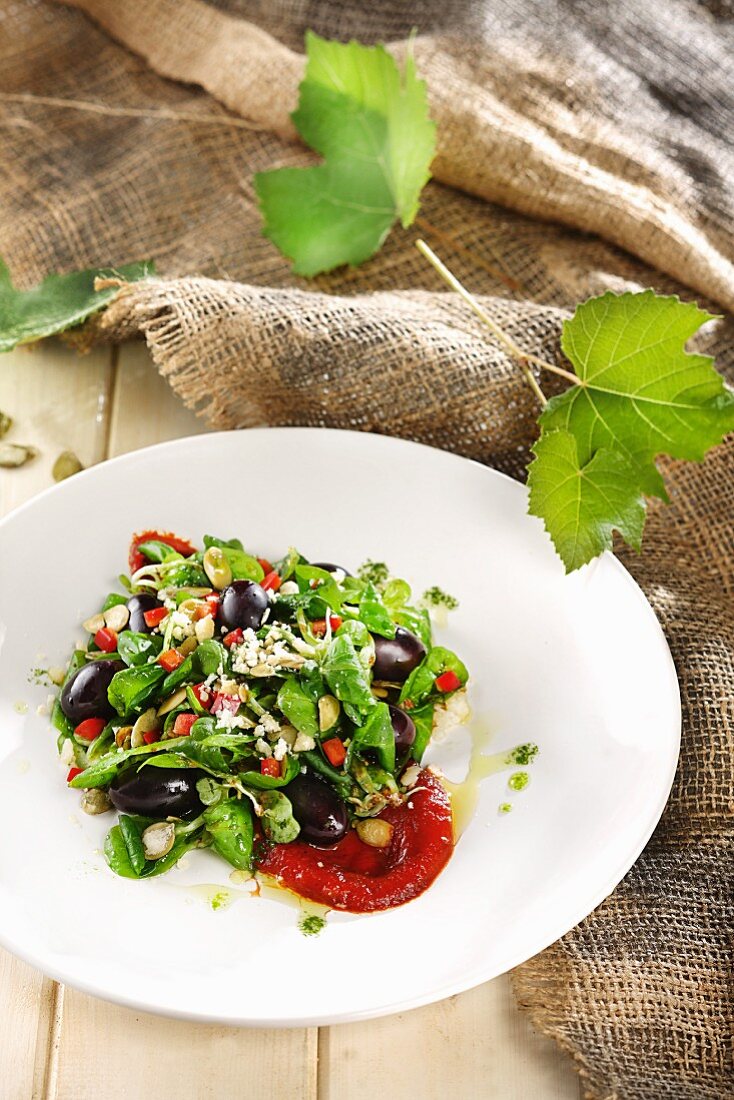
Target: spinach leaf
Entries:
(346, 676)
(244, 567)
(103, 742)
(187, 575)
(113, 600)
(166, 760)
(285, 608)
(229, 823)
(420, 685)
(374, 614)
(377, 734)
(286, 567)
(312, 681)
(270, 782)
(423, 720)
(209, 790)
(417, 621)
(138, 649)
(209, 657)
(101, 773)
(157, 551)
(132, 836)
(180, 675)
(278, 822)
(357, 631)
(298, 707)
(118, 856)
(327, 589)
(132, 687)
(223, 544)
(341, 782)
(396, 594)
(58, 719)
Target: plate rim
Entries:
(479, 976)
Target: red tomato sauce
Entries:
(355, 877)
(136, 560)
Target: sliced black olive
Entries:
(318, 810)
(243, 604)
(137, 606)
(157, 792)
(395, 658)
(85, 695)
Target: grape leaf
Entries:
(372, 127)
(641, 393)
(57, 303)
(581, 504)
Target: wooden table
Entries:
(58, 1044)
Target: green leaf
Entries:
(132, 687)
(101, 773)
(371, 125)
(56, 304)
(229, 822)
(298, 707)
(137, 649)
(641, 394)
(260, 782)
(582, 504)
(346, 676)
(421, 684)
(377, 734)
(278, 822)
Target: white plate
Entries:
(577, 664)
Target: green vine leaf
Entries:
(371, 125)
(581, 504)
(641, 393)
(56, 304)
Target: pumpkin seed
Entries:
(329, 711)
(116, 618)
(65, 466)
(146, 723)
(16, 454)
(170, 703)
(158, 839)
(93, 623)
(6, 423)
(217, 568)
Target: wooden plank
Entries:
(58, 402)
(477, 1046)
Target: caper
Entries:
(65, 465)
(217, 568)
(95, 801)
(375, 832)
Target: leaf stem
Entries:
(522, 357)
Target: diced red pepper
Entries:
(269, 766)
(152, 736)
(233, 638)
(203, 696)
(170, 660)
(318, 626)
(106, 639)
(225, 702)
(182, 725)
(265, 565)
(334, 751)
(155, 616)
(447, 681)
(73, 773)
(271, 580)
(136, 560)
(90, 728)
(213, 601)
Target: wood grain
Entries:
(59, 1044)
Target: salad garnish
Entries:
(275, 712)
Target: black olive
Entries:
(243, 604)
(157, 792)
(137, 606)
(85, 695)
(395, 658)
(403, 728)
(318, 810)
(330, 567)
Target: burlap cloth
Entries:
(578, 143)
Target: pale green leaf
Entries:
(581, 504)
(641, 393)
(371, 125)
(56, 304)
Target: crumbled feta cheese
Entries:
(182, 625)
(228, 721)
(338, 575)
(263, 747)
(269, 723)
(280, 749)
(410, 776)
(454, 712)
(304, 743)
(288, 588)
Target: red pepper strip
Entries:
(265, 565)
(233, 638)
(106, 639)
(318, 626)
(152, 736)
(204, 697)
(73, 773)
(225, 702)
(360, 879)
(182, 725)
(447, 681)
(213, 601)
(90, 728)
(170, 660)
(271, 580)
(136, 560)
(268, 766)
(155, 616)
(334, 751)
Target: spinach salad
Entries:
(226, 702)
